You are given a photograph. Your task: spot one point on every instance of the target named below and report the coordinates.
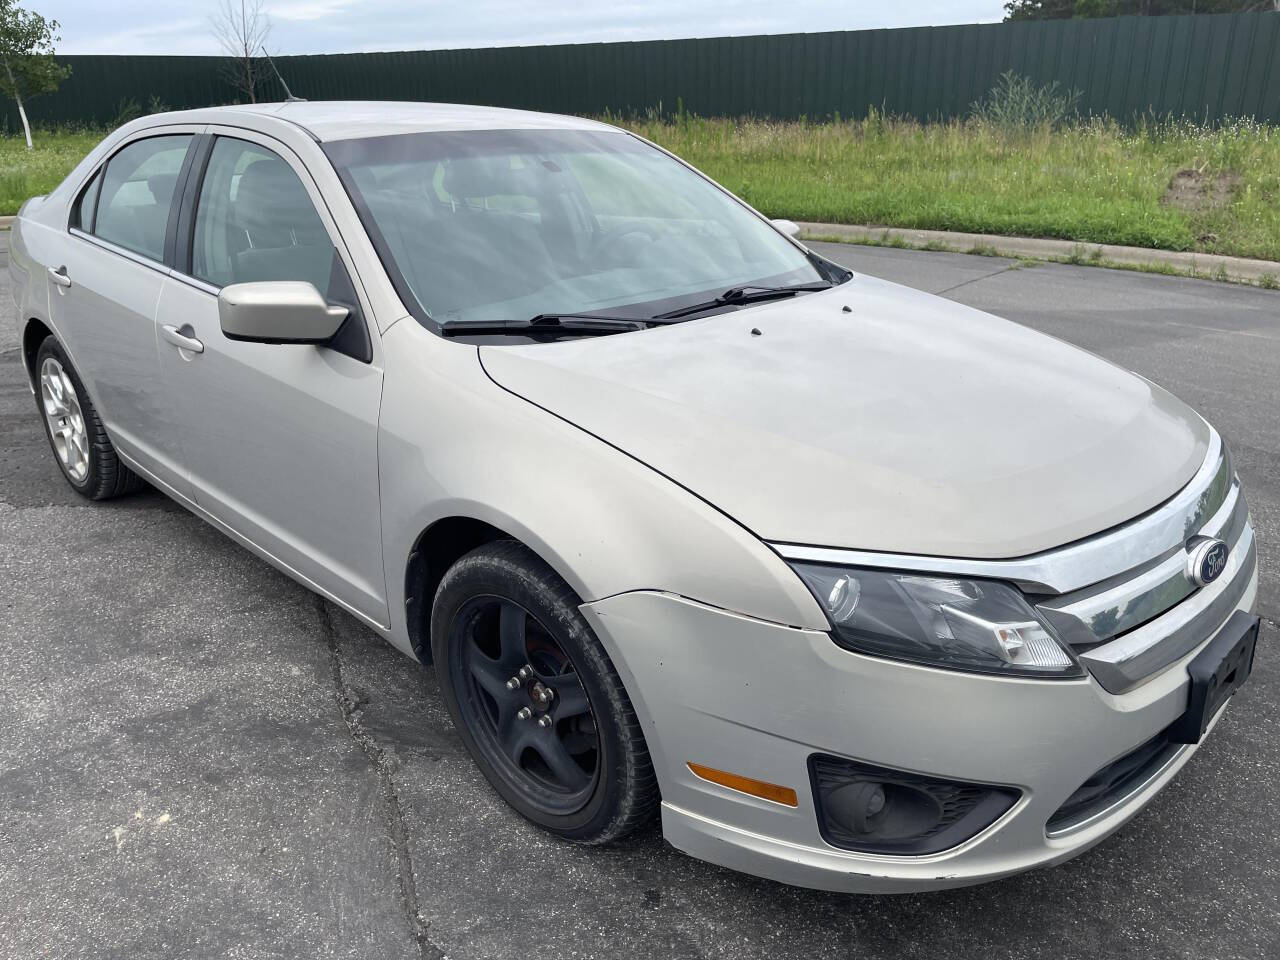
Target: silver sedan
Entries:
(859, 588)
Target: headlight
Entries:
(980, 626)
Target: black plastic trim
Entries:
(179, 203)
(1113, 783)
(1216, 673)
(974, 806)
(77, 209)
(273, 341)
(184, 227)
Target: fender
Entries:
(607, 523)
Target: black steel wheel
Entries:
(521, 695)
(537, 701)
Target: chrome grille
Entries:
(1129, 626)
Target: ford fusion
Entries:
(854, 587)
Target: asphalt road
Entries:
(200, 759)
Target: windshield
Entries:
(495, 226)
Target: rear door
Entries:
(279, 440)
(104, 292)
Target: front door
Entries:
(280, 440)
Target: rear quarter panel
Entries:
(29, 250)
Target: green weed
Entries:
(1093, 182)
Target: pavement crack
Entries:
(986, 276)
(383, 766)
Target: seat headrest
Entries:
(271, 195)
(161, 186)
(468, 177)
(476, 176)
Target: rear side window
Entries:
(255, 221)
(137, 193)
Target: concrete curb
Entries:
(1239, 269)
(6, 222)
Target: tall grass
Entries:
(1093, 181)
(25, 173)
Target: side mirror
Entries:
(789, 227)
(277, 311)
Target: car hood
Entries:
(874, 417)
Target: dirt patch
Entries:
(1194, 190)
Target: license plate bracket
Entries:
(1217, 672)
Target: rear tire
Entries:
(79, 441)
(560, 742)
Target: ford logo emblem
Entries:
(1206, 559)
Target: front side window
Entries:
(255, 221)
(137, 191)
(502, 225)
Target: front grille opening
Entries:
(1114, 782)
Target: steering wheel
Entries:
(608, 241)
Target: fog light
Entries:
(878, 810)
(858, 805)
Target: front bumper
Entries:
(758, 699)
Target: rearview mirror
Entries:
(278, 311)
(789, 227)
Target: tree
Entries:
(26, 57)
(242, 28)
(1067, 9)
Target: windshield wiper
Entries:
(747, 293)
(586, 324)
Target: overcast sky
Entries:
(335, 26)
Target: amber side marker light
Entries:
(756, 788)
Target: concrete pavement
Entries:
(200, 759)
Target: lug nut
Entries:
(526, 672)
(513, 683)
(545, 720)
(524, 713)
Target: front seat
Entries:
(278, 234)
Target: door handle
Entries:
(178, 339)
(59, 276)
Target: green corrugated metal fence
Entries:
(1203, 67)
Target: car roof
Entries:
(347, 119)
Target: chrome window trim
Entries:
(119, 251)
(201, 285)
(1069, 568)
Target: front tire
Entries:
(76, 435)
(535, 698)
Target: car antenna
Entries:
(288, 94)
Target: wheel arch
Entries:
(34, 333)
(435, 550)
